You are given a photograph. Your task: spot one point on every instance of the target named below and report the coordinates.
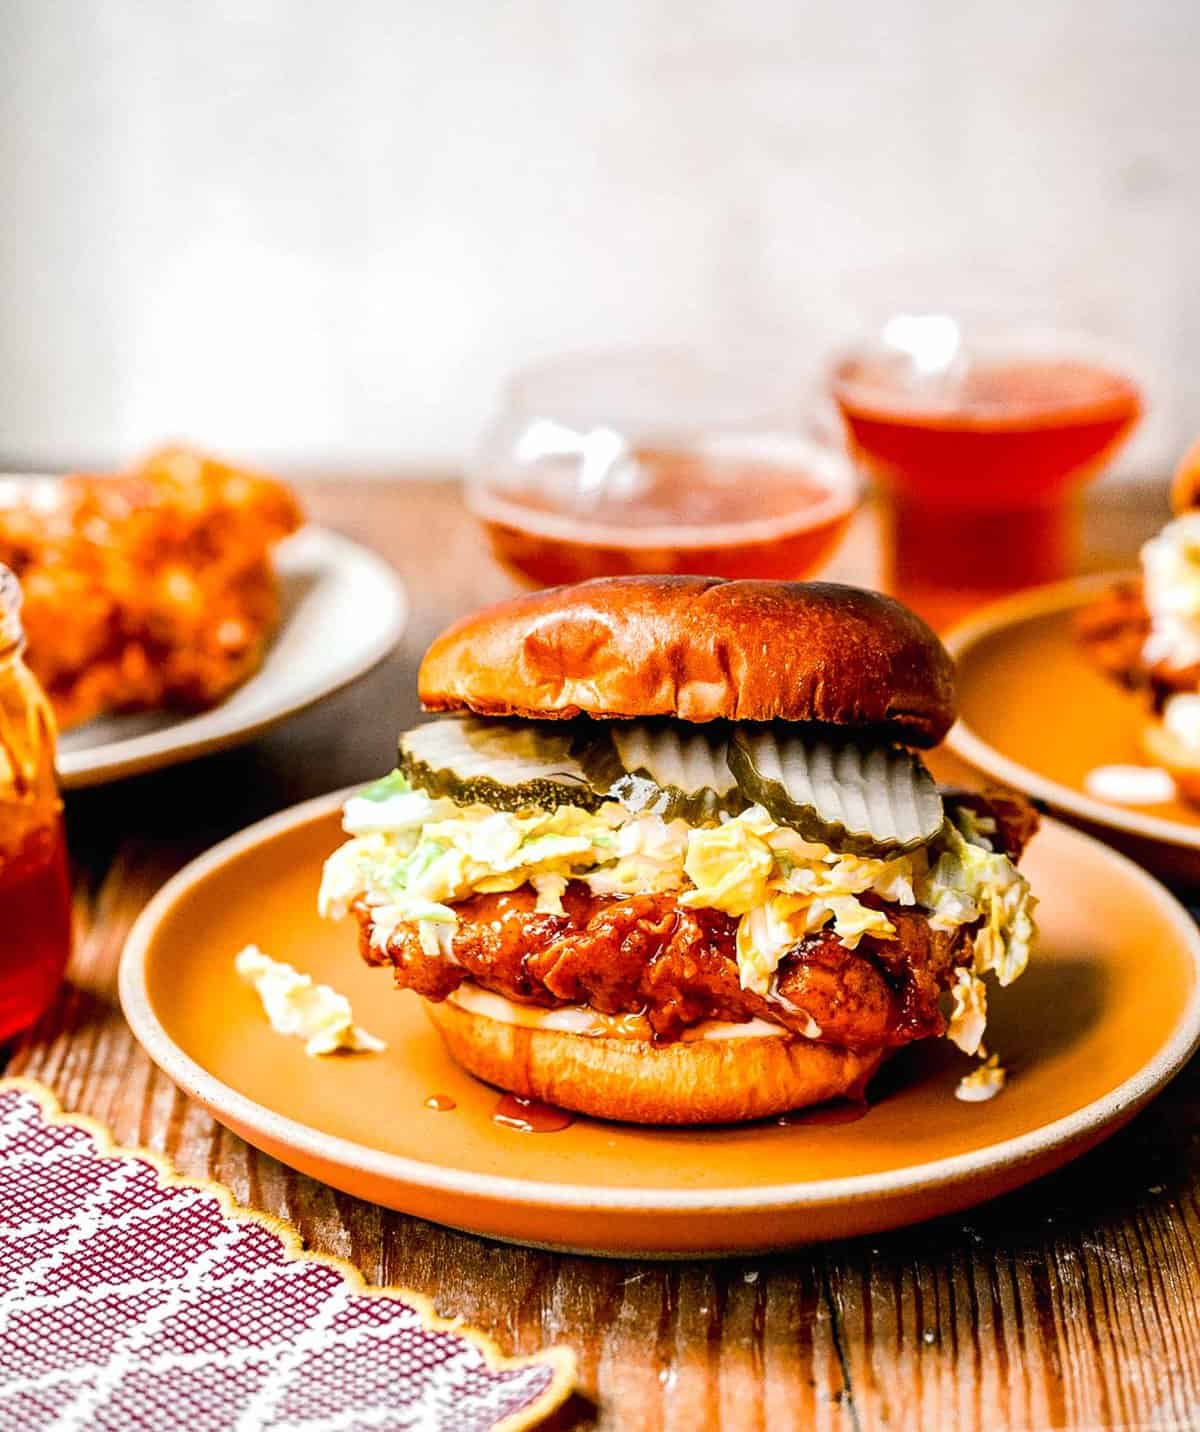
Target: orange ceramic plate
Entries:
(1107, 1012)
(1037, 714)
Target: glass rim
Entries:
(829, 462)
(1016, 343)
(989, 328)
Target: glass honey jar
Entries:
(35, 891)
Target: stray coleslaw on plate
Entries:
(982, 1083)
(295, 1005)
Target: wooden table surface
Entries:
(1074, 1303)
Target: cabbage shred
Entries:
(411, 856)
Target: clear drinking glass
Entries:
(659, 460)
(979, 427)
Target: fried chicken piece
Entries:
(646, 954)
(1113, 630)
(150, 588)
(1015, 816)
(651, 956)
(920, 962)
(845, 994)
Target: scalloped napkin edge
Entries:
(561, 1360)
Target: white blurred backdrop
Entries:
(322, 230)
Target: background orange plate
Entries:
(1108, 1011)
(1037, 714)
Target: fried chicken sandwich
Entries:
(1145, 633)
(671, 856)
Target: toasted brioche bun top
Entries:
(698, 649)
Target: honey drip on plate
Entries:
(530, 1116)
(837, 1111)
(440, 1103)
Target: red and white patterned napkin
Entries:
(133, 1298)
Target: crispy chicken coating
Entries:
(645, 954)
(1113, 630)
(151, 588)
(677, 967)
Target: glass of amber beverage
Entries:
(979, 434)
(35, 893)
(659, 460)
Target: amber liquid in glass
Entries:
(691, 512)
(978, 485)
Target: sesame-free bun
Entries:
(699, 649)
(702, 1081)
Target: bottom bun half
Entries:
(718, 1081)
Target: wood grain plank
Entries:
(1075, 1303)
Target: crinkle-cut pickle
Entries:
(669, 769)
(868, 800)
(508, 765)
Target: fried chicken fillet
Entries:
(152, 588)
(676, 968)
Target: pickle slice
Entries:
(509, 765)
(872, 800)
(665, 768)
